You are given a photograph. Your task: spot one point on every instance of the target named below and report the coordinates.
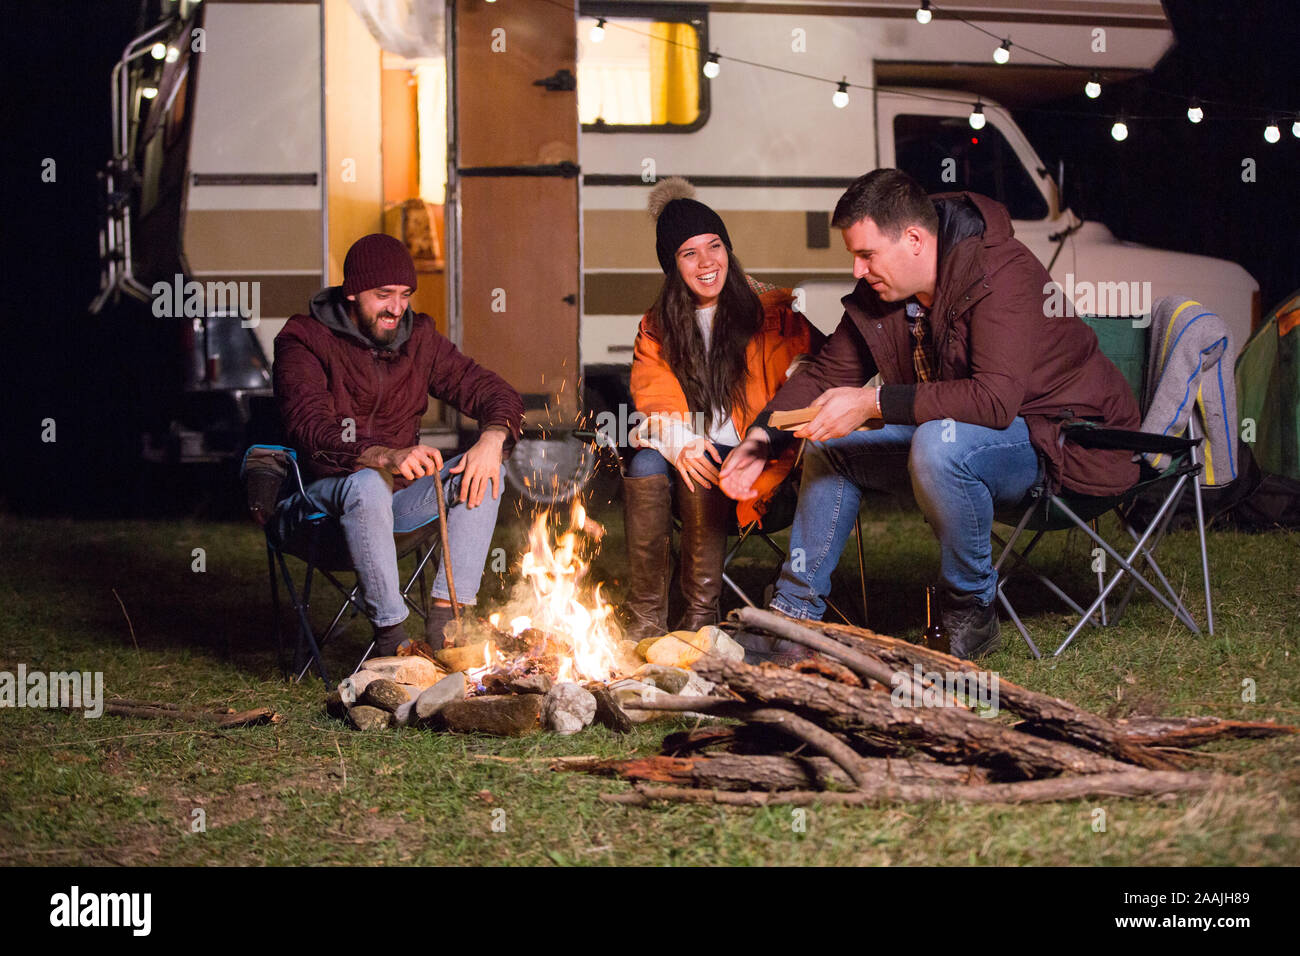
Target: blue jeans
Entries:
(369, 515)
(958, 473)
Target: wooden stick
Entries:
(865, 666)
(827, 743)
(1130, 783)
(259, 715)
(727, 771)
(446, 549)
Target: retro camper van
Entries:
(512, 144)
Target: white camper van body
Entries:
(782, 139)
(285, 159)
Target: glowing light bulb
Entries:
(1194, 112)
(712, 68)
(1003, 53)
(1295, 127)
(1093, 87)
(173, 54)
(923, 14)
(1272, 133)
(149, 92)
(977, 119)
(158, 51)
(841, 95)
(598, 31)
(1119, 131)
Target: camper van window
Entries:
(985, 162)
(641, 74)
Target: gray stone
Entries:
(504, 715)
(369, 718)
(385, 694)
(405, 670)
(568, 708)
(433, 699)
(404, 715)
(668, 679)
(532, 684)
(697, 686)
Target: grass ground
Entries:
(308, 790)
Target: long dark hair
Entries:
(715, 381)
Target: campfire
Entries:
(552, 655)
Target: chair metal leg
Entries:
(301, 605)
(275, 610)
(862, 570)
(1125, 565)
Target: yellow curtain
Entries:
(674, 73)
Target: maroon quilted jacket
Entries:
(999, 356)
(327, 372)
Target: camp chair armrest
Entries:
(1089, 435)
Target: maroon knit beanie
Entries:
(377, 260)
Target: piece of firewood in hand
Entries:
(797, 418)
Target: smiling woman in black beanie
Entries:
(710, 353)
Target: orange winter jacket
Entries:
(784, 336)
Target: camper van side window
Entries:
(984, 162)
(643, 73)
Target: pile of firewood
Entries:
(873, 718)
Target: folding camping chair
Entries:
(1042, 512)
(270, 474)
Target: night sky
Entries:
(1171, 185)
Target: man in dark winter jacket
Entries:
(352, 380)
(975, 376)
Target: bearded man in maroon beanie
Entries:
(352, 380)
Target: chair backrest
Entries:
(267, 471)
(1124, 340)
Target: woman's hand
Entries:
(693, 462)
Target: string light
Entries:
(840, 98)
(149, 92)
(841, 95)
(158, 51)
(173, 54)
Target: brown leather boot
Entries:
(705, 514)
(648, 523)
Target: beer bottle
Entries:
(935, 637)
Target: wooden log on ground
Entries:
(1128, 783)
(1190, 731)
(754, 772)
(1044, 715)
(157, 709)
(949, 734)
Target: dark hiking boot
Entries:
(972, 627)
